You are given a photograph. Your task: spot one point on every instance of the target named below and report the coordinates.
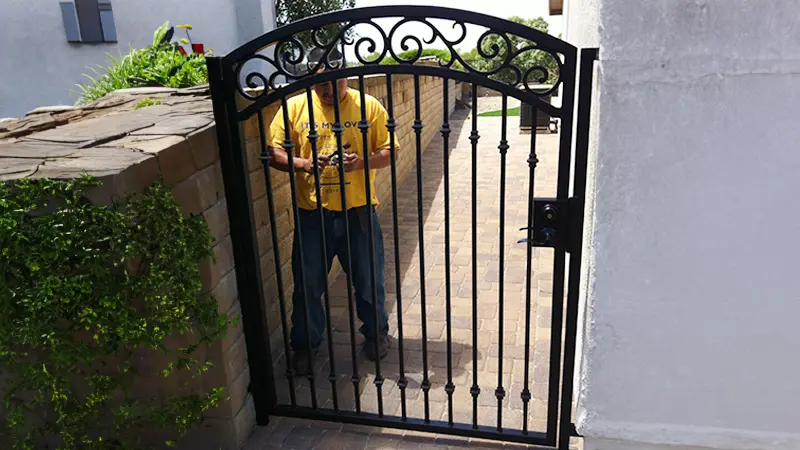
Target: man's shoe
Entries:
(300, 362)
(383, 348)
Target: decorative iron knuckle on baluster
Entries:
(474, 136)
(503, 147)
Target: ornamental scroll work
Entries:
(504, 57)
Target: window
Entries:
(89, 21)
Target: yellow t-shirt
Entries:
(350, 115)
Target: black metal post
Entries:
(562, 192)
(588, 57)
(222, 83)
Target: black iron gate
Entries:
(265, 71)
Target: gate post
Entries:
(587, 58)
(222, 83)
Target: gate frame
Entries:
(226, 86)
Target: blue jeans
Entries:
(315, 271)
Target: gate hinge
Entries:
(556, 223)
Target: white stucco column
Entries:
(693, 279)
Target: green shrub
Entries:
(159, 64)
(388, 60)
(86, 287)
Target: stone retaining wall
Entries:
(128, 149)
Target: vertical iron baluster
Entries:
(363, 125)
(312, 138)
(265, 157)
(426, 385)
(500, 393)
(337, 131)
(474, 136)
(555, 341)
(288, 146)
(390, 125)
(532, 161)
(449, 387)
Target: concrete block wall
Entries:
(128, 149)
(431, 107)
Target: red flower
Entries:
(198, 48)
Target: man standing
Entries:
(358, 208)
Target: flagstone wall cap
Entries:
(50, 109)
(110, 138)
(144, 91)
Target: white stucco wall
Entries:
(39, 67)
(582, 22)
(694, 298)
(581, 29)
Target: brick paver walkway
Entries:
(285, 433)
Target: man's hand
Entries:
(353, 162)
(308, 165)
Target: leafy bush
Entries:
(85, 288)
(160, 64)
(526, 60)
(388, 60)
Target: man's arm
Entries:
(280, 161)
(378, 160)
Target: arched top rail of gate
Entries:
(505, 45)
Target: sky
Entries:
(499, 8)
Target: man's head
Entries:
(316, 61)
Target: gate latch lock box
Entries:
(551, 226)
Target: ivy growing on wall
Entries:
(86, 288)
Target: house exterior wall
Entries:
(39, 66)
(692, 292)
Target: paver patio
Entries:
(290, 433)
